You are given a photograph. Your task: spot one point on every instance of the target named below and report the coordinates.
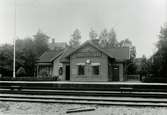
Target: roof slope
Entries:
(66, 53)
(48, 56)
(118, 53)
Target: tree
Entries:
(112, 41)
(26, 55)
(156, 61)
(121, 43)
(75, 40)
(125, 43)
(144, 64)
(27, 52)
(133, 52)
(132, 68)
(108, 39)
(103, 37)
(21, 72)
(146, 67)
(40, 42)
(92, 34)
(160, 60)
(6, 58)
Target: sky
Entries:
(138, 20)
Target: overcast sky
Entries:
(138, 20)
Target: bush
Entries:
(28, 79)
(44, 74)
(155, 79)
(136, 77)
(20, 72)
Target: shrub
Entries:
(155, 79)
(20, 72)
(28, 79)
(43, 73)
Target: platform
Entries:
(69, 82)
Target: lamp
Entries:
(88, 61)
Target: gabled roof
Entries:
(86, 43)
(65, 54)
(49, 56)
(118, 53)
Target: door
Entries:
(110, 72)
(116, 73)
(67, 72)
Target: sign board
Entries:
(87, 54)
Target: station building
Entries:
(88, 62)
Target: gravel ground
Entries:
(25, 108)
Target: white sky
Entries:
(138, 20)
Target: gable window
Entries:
(81, 69)
(95, 70)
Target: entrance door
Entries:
(110, 72)
(116, 73)
(67, 72)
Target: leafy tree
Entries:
(6, 56)
(20, 72)
(20, 58)
(121, 43)
(112, 41)
(92, 34)
(108, 39)
(40, 42)
(156, 61)
(160, 58)
(27, 52)
(75, 40)
(103, 37)
(125, 43)
(144, 65)
(132, 68)
(26, 55)
(133, 52)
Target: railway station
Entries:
(88, 62)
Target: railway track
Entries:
(85, 93)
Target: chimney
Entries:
(53, 40)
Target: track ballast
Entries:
(104, 93)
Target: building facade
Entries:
(48, 64)
(89, 62)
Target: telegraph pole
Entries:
(14, 48)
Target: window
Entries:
(81, 69)
(95, 70)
